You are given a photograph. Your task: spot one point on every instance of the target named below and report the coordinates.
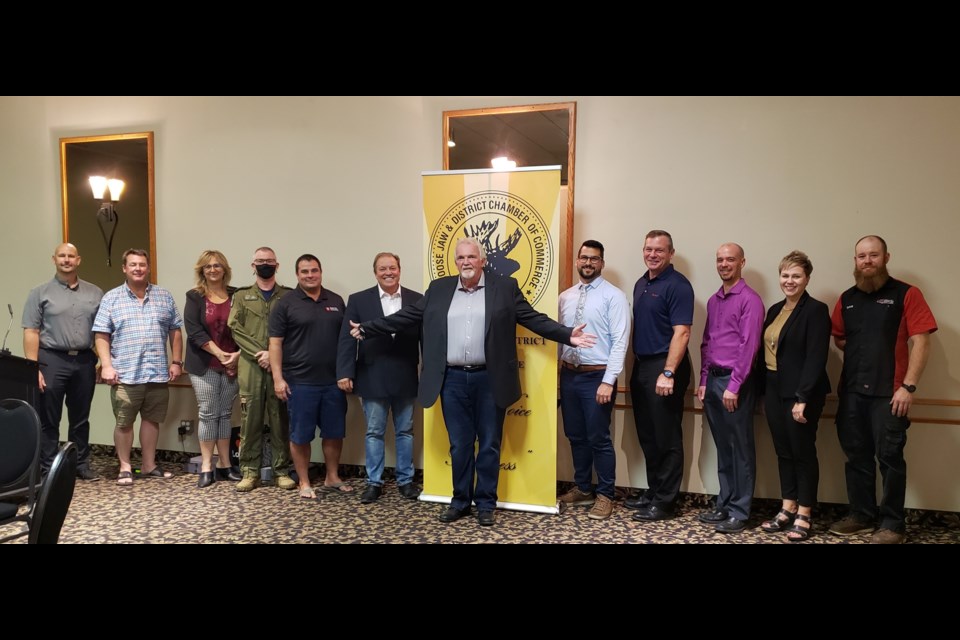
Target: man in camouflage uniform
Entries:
(249, 315)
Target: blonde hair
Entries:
(201, 279)
(796, 259)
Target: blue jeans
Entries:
(375, 409)
(587, 425)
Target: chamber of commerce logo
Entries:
(509, 229)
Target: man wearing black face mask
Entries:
(249, 315)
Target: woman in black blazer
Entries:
(211, 361)
(796, 340)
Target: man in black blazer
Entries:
(384, 372)
(473, 370)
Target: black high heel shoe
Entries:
(229, 473)
(205, 480)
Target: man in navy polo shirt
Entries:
(662, 316)
(304, 330)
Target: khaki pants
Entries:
(260, 407)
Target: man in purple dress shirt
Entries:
(731, 338)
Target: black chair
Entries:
(19, 463)
(56, 493)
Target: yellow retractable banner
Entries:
(515, 215)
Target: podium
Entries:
(18, 378)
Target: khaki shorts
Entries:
(149, 400)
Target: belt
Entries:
(582, 368)
(720, 371)
(71, 352)
(469, 368)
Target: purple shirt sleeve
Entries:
(751, 330)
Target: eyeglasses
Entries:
(211, 267)
(590, 259)
(262, 261)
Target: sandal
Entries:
(337, 487)
(779, 524)
(802, 533)
(125, 479)
(308, 493)
(156, 473)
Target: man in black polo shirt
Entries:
(304, 330)
(58, 333)
(883, 327)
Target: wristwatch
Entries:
(667, 373)
(177, 362)
(912, 388)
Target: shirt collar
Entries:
(304, 295)
(384, 294)
(595, 283)
(480, 284)
(66, 285)
(130, 292)
(735, 289)
(663, 274)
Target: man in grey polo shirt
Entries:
(58, 333)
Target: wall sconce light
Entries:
(502, 163)
(451, 142)
(107, 216)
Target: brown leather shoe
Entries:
(887, 536)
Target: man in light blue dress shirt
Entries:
(588, 379)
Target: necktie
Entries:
(577, 320)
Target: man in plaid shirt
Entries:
(134, 322)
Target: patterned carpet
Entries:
(175, 511)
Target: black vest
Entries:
(872, 322)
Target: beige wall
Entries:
(312, 174)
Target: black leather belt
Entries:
(720, 371)
(469, 368)
(71, 352)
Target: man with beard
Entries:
(259, 406)
(662, 316)
(731, 338)
(588, 380)
(883, 327)
(469, 322)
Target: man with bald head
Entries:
(58, 333)
(730, 342)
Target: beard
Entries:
(869, 284)
(588, 277)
